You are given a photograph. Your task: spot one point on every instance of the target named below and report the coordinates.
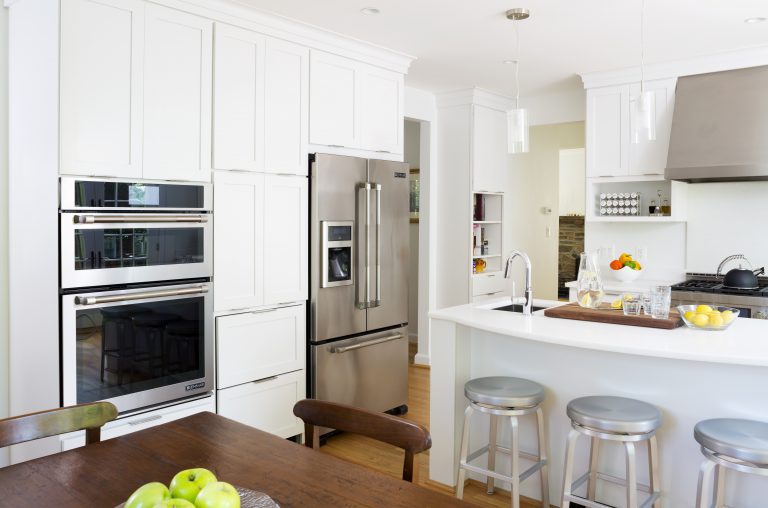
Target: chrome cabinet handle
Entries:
(367, 302)
(146, 420)
(138, 218)
(377, 302)
(373, 342)
(96, 300)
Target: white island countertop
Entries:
(745, 342)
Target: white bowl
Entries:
(626, 274)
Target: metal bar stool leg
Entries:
(705, 478)
(631, 475)
(463, 453)
(719, 493)
(492, 436)
(543, 457)
(594, 453)
(515, 428)
(653, 465)
(570, 450)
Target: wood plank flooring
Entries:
(389, 460)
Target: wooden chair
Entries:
(90, 417)
(410, 436)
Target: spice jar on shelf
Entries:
(666, 209)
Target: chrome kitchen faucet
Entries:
(528, 298)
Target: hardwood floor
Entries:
(389, 460)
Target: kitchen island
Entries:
(690, 375)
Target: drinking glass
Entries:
(631, 307)
(661, 298)
(645, 301)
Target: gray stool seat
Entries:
(745, 440)
(504, 391)
(614, 414)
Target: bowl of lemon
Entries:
(707, 317)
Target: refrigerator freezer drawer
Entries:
(369, 372)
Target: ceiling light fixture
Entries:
(643, 118)
(370, 11)
(517, 118)
(750, 21)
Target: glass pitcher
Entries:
(589, 284)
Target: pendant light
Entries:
(644, 105)
(517, 118)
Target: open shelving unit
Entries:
(647, 187)
(486, 244)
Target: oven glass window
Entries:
(130, 348)
(339, 264)
(137, 195)
(117, 248)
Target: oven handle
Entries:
(96, 300)
(137, 218)
(373, 342)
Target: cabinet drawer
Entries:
(266, 405)
(260, 344)
(485, 284)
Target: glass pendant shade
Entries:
(644, 117)
(517, 130)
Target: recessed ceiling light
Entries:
(370, 11)
(754, 20)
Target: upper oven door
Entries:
(114, 195)
(99, 249)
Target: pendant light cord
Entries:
(517, 66)
(642, 46)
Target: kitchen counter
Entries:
(688, 374)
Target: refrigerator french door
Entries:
(359, 282)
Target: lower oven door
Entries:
(137, 347)
(369, 372)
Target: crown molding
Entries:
(737, 59)
(474, 96)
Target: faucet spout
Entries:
(528, 304)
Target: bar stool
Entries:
(504, 397)
(741, 445)
(615, 419)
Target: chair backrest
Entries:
(410, 436)
(90, 417)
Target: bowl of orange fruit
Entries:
(626, 269)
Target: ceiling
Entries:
(463, 43)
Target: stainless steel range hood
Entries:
(720, 127)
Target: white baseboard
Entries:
(421, 359)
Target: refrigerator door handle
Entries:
(364, 304)
(360, 345)
(377, 301)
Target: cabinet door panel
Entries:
(490, 169)
(650, 157)
(608, 131)
(101, 74)
(332, 89)
(381, 113)
(285, 239)
(238, 246)
(238, 116)
(177, 95)
(286, 97)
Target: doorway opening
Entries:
(571, 176)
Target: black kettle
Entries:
(740, 278)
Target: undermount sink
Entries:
(517, 308)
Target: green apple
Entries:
(148, 495)
(174, 503)
(218, 495)
(187, 484)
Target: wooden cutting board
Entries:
(605, 314)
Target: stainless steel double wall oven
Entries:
(137, 311)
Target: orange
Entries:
(616, 264)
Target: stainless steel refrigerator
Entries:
(359, 245)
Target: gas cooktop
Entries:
(713, 284)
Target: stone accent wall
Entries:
(571, 245)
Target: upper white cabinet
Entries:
(260, 118)
(177, 95)
(101, 87)
(490, 168)
(355, 105)
(610, 151)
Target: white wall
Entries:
(554, 108)
(3, 220)
(572, 183)
(412, 140)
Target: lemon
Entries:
(716, 320)
(690, 315)
(701, 320)
(628, 297)
(585, 300)
(727, 316)
(714, 312)
(616, 304)
(703, 309)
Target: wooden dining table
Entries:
(104, 474)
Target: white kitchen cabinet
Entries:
(177, 95)
(101, 87)
(238, 245)
(490, 169)
(607, 135)
(381, 116)
(286, 270)
(266, 404)
(238, 114)
(650, 157)
(259, 344)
